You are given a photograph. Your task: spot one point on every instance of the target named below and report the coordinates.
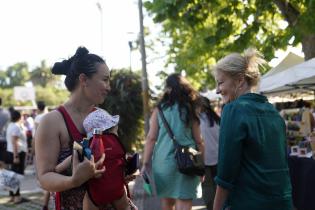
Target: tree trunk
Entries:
(290, 13)
(308, 46)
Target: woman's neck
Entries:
(79, 104)
(243, 90)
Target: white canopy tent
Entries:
(300, 77)
(288, 61)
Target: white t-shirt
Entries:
(39, 117)
(14, 129)
(210, 136)
(37, 120)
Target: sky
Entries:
(51, 30)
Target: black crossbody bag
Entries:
(189, 161)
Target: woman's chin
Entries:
(101, 101)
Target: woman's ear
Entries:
(83, 79)
(241, 82)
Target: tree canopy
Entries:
(203, 31)
(19, 73)
(47, 85)
(125, 100)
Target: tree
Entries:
(42, 76)
(203, 31)
(53, 96)
(125, 100)
(17, 74)
(45, 83)
(3, 79)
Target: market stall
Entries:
(300, 77)
(297, 80)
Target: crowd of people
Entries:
(244, 150)
(17, 131)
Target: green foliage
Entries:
(42, 76)
(46, 84)
(125, 99)
(17, 75)
(3, 79)
(203, 31)
(51, 95)
(7, 97)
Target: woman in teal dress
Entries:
(252, 168)
(179, 108)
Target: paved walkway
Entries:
(31, 191)
(146, 202)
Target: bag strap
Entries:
(166, 125)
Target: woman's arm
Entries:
(15, 146)
(150, 139)
(220, 198)
(47, 146)
(197, 136)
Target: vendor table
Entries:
(302, 172)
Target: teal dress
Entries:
(169, 182)
(252, 155)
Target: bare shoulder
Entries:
(52, 118)
(51, 122)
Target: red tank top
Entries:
(70, 199)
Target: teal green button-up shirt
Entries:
(252, 155)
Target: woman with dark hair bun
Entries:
(87, 79)
(179, 106)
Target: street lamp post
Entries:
(131, 48)
(145, 85)
(99, 6)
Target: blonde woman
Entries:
(252, 169)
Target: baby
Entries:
(99, 195)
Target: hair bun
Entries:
(81, 51)
(254, 59)
(61, 68)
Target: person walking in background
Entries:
(253, 171)
(29, 125)
(41, 111)
(209, 127)
(4, 119)
(179, 106)
(87, 79)
(16, 149)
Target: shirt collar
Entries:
(255, 97)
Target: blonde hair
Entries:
(246, 65)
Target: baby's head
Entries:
(100, 119)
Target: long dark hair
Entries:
(82, 62)
(178, 90)
(208, 110)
